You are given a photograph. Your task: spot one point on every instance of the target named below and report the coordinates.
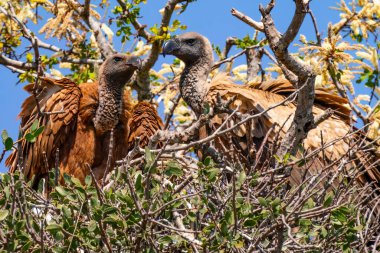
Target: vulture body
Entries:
(243, 143)
(78, 123)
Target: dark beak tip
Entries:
(135, 62)
(169, 47)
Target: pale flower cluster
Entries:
(361, 21)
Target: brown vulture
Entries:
(78, 138)
(242, 144)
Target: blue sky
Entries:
(211, 18)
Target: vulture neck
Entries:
(110, 105)
(193, 84)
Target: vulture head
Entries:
(114, 73)
(119, 68)
(189, 47)
(196, 52)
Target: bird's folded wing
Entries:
(59, 103)
(143, 124)
(323, 98)
(334, 132)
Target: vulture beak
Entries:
(170, 46)
(135, 62)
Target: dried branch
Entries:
(230, 59)
(230, 41)
(317, 33)
(253, 57)
(279, 44)
(259, 26)
(188, 236)
(17, 65)
(342, 92)
(171, 112)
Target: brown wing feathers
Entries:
(323, 98)
(253, 100)
(144, 122)
(53, 95)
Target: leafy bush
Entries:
(165, 206)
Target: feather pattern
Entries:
(248, 137)
(143, 123)
(53, 96)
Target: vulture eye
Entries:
(190, 42)
(117, 59)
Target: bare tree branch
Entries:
(279, 44)
(246, 19)
(253, 57)
(230, 41)
(230, 59)
(16, 64)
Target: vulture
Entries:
(243, 142)
(78, 120)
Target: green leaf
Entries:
(34, 125)
(38, 131)
(278, 159)
(154, 29)
(3, 214)
(26, 246)
(174, 169)
(4, 135)
(7, 192)
(262, 201)
(8, 143)
(340, 213)
(149, 157)
(61, 191)
(41, 185)
(228, 217)
(328, 200)
(224, 228)
(53, 227)
(249, 223)
(208, 161)
(286, 158)
(276, 202)
(310, 203)
(76, 182)
(241, 179)
(212, 173)
(92, 226)
(323, 232)
(30, 137)
(305, 222)
(138, 184)
(165, 240)
(88, 180)
(59, 236)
